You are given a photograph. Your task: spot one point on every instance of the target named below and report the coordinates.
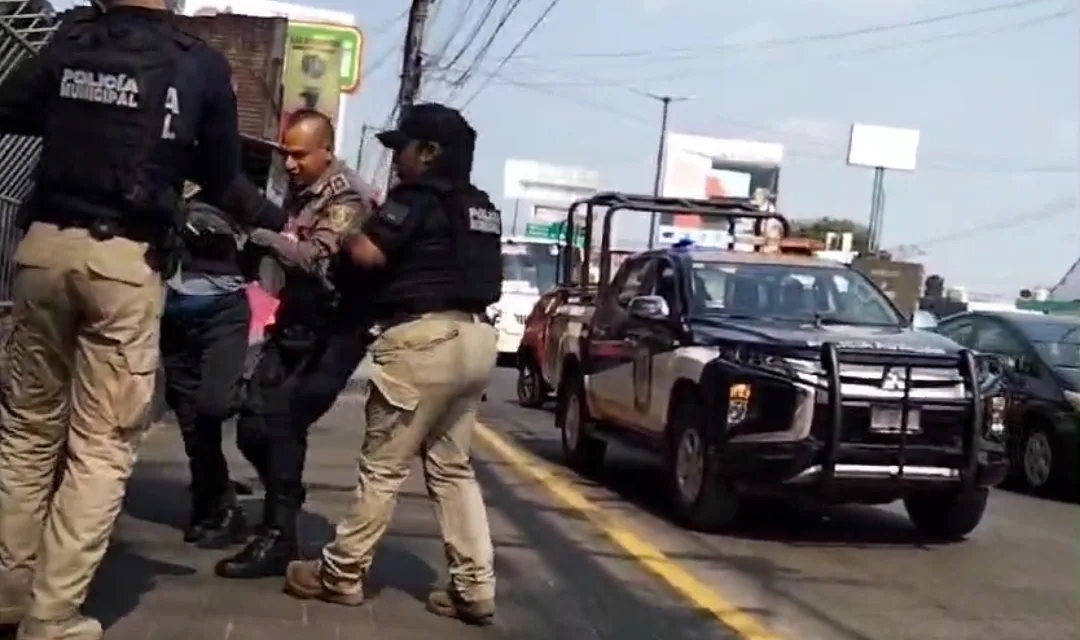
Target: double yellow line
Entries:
(649, 556)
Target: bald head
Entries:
(313, 125)
(308, 141)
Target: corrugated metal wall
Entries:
(255, 48)
(25, 25)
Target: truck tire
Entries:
(531, 390)
(947, 515)
(699, 496)
(1039, 460)
(583, 452)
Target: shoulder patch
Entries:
(337, 184)
(394, 212)
(339, 217)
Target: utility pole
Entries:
(412, 61)
(666, 102)
(412, 55)
(364, 128)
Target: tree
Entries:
(817, 228)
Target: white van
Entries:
(530, 268)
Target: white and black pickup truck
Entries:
(764, 373)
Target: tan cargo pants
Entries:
(82, 359)
(427, 379)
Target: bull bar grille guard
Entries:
(830, 357)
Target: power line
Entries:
(454, 30)
(818, 152)
(1051, 209)
(485, 15)
(502, 63)
(389, 52)
(815, 37)
(484, 48)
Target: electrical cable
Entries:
(389, 52)
(1051, 209)
(502, 63)
(485, 15)
(484, 48)
(815, 37)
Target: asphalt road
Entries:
(558, 577)
(594, 560)
(842, 574)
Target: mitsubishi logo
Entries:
(892, 381)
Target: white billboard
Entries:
(700, 167)
(883, 147)
(297, 14)
(547, 183)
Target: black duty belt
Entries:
(99, 228)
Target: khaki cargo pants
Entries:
(81, 364)
(427, 379)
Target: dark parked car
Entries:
(1042, 354)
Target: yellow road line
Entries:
(703, 596)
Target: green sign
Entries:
(553, 231)
(349, 38)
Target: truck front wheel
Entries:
(947, 515)
(582, 451)
(531, 390)
(700, 497)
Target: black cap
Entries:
(431, 122)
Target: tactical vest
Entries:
(114, 147)
(454, 261)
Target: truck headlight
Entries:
(738, 403)
(995, 416)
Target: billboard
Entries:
(308, 24)
(310, 79)
(547, 183)
(701, 167)
(883, 147)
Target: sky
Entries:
(991, 206)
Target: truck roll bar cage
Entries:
(730, 209)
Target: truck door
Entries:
(610, 348)
(653, 339)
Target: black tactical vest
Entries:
(453, 262)
(114, 144)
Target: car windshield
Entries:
(1057, 342)
(789, 292)
(532, 267)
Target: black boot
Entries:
(228, 526)
(268, 552)
(197, 521)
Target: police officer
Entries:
(204, 342)
(436, 246)
(127, 106)
(311, 351)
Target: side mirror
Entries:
(649, 308)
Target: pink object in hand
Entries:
(263, 308)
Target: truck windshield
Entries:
(789, 292)
(530, 267)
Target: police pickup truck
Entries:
(767, 374)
